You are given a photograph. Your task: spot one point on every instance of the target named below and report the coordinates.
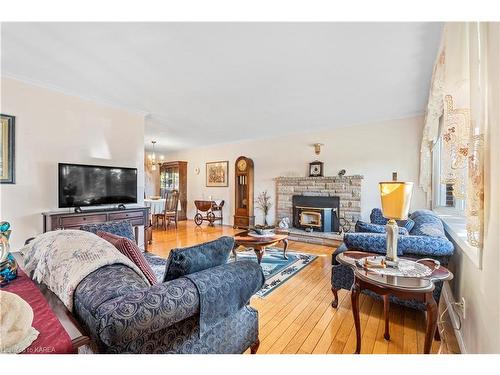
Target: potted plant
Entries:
(263, 203)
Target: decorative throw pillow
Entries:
(377, 217)
(362, 227)
(119, 228)
(197, 258)
(408, 224)
(427, 224)
(131, 251)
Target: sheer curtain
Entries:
(459, 94)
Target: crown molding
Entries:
(51, 87)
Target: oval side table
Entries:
(416, 288)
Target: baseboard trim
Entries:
(449, 300)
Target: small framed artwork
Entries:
(316, 169)
(217, 174)
(7, 142)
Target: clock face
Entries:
(242, 165)
(315, 170)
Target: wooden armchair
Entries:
(170, 212)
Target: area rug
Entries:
(277, 270)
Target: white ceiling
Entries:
(205, 83)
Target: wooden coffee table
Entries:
(418, 288)
(259, 244)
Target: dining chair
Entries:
(170, 211)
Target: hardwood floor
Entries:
(297, 317)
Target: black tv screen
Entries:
(93, 185)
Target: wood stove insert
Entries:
(316, 213)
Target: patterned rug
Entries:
(277, 270)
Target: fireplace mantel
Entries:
(347, 188)
(320, 179)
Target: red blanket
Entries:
(53, 339)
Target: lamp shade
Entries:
(395, 197)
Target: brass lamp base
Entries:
(392, 230)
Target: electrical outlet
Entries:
(460, 306)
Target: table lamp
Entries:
(395, 197)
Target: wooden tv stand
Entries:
(138, 216)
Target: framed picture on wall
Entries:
(217, 174)
(7, 142)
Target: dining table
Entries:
(156, 206)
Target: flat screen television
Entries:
(94, 185)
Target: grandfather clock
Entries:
(243, 190)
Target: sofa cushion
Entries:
(407, 245)
(192, 259)
(131, 251)
(372, 242)
(120, 228)
(157, 264)
(362, 227)
(377, 217)
(427, 224)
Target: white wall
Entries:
(372, 150)
(52, 127)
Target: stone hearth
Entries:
(347, 188)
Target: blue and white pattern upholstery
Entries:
(192, 259)
(224, 290)
(121, 228)
(427, 224)
(425, 240)
(362, 227)
(158, 265)
(125, 315)
(407, 245)
(376, 217)
(233, 335)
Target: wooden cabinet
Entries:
(138, 216)
(243, 187)
(173, 176)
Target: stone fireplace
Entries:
(347, 189)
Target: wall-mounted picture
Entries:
(217, 173)
(7, 139)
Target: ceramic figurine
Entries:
(284, 223)
(8, 265)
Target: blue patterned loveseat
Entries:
(422, 236)
(123, 314)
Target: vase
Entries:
(8, 270)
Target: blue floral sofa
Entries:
(123, 314)
(421, 236)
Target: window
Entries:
(450, 208)
(443, 194)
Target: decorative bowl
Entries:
(264, 230)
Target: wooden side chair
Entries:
(170, 212)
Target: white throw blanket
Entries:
(62, 258)
(16, 316)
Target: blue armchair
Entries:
(425, 239)
(123, 314)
